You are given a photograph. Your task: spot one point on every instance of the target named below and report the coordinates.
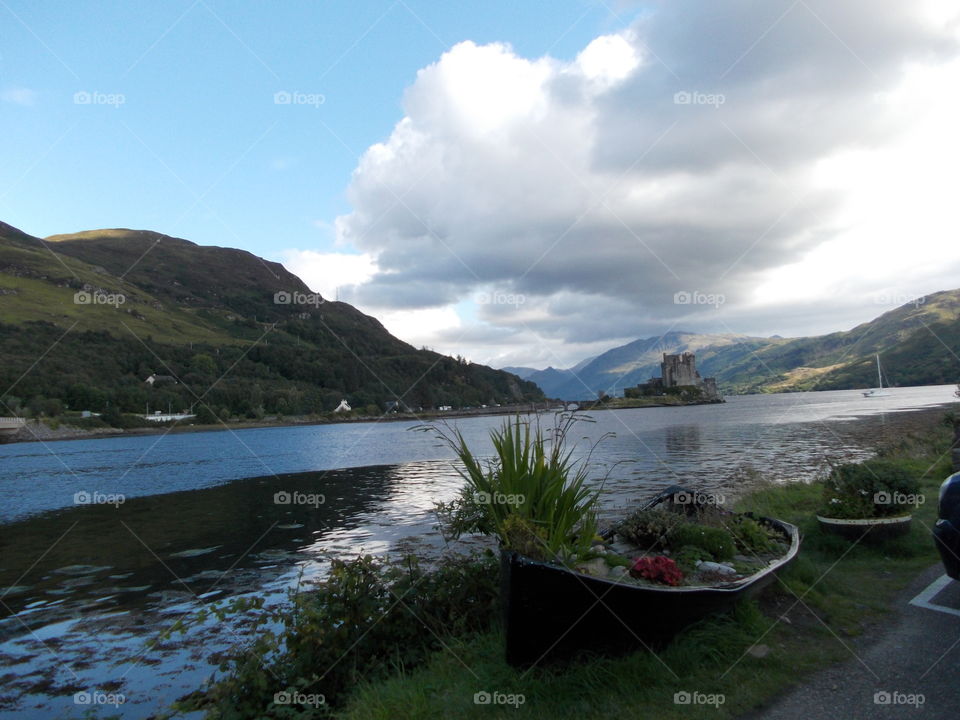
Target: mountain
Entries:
(520, 372)
(627, 365)
(86, 318)
(919, 344)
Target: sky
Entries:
(522, 184)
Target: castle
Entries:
(678, 371)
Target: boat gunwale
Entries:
(734, 587)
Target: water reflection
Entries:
(682, 439)
(160, 548)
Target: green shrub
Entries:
(688, 557)
(716, 541)
(750, 536)
(875, 488)
(649, 529)
(520, 534)
(364, 622)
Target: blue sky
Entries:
(520, 183)
(198, 149)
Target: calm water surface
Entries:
(87, 588)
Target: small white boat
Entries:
(878, 391)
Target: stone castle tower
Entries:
(682, 370)
(679, 370)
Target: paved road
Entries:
(912, 670)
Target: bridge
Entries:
(9, 425)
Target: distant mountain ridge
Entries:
(627, 365)
(919, 343)
(86, 317)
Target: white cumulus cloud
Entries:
(710, 147)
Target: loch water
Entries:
(105, 543)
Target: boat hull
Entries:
(551, 613)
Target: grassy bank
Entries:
(834, 595)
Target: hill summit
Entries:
(86, 318)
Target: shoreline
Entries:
(65, 431)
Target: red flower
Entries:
(657, 568)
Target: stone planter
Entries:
(875, 528)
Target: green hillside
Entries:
(919, 344)
(86, 318)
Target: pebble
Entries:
(596, 567)
(715, 567)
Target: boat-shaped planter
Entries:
(551, 613)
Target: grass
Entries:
(834, 592)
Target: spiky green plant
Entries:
(533, 477)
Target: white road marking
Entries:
(930, 592)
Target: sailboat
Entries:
(878, 391)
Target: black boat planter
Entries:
(551, 613)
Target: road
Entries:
(911, 669)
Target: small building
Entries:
(167, 417)
(344, 406)
(155, 380)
